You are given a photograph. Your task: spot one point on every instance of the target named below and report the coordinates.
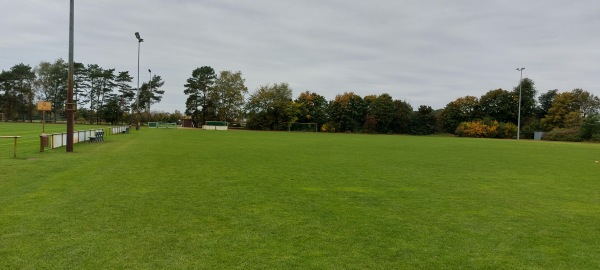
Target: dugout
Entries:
(187, 122)
(215, 125)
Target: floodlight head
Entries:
(137, 35)
(149, 70)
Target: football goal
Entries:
(215, 125)
(303, 127)
(161, 125)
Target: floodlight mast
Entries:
(519, 116)
(149, 93)
(137, 105)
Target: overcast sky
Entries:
(427, 52)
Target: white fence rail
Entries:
(56, 140)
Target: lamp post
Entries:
(137, 105)
(519, 116)
(149, 93)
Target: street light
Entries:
(137, 105)
(149, 91)
(519, 116)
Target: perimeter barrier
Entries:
(56, 140)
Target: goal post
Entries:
(304, 127)
(161, 125)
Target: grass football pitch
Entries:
(182, 198)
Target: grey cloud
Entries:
(427, 52)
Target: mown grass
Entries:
(165, 198)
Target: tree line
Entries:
(101, 94)
(106, 95)
(571, 115)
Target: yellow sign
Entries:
(44, 106)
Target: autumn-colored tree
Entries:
(486, 129)
(570, 108)
(347, 112)
(312, 108)
(545, 102)
(463, 109)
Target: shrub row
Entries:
(563, 134)
(570, 135)
(486, 129)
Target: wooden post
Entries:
(15, 144)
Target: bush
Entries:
(486, 129)
(328, 127)
(563, 134)
(475, 129)
(590, 127)
(507, 130)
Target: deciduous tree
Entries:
(269, 107)
(464, 109)
(545, 102)
(312, 108)
(423, 121)
(228, 95)
(51, 84)
(402, 116)
(499, 105)
(347, 112)
(528, 93)
(570, 108)
(382, 109)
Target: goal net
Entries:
(303, 127)
(161, 125)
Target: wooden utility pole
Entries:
(70, 106)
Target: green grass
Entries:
(166, 198)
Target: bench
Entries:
(99, 137)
